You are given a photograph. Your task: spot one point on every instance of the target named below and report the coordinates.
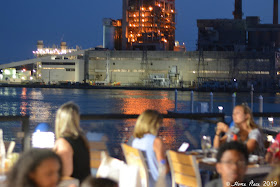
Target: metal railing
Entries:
(212, 118)
(25, 133)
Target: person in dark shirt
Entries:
(232, 161)
(98, 182)
(71, 144)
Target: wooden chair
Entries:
(184, 169)
(135, 157)
(96, 147)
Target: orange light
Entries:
(150, 8)
(172, 11)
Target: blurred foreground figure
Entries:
(36, 168)
(232, 161)
(71, 144)
(98, 182)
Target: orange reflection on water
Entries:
(138, 103)
(23, 108)
(23, 93)
(168, 133)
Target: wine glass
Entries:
(206, 144)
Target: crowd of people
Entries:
(70, 156)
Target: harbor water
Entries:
(41, 105)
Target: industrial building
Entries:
(51, 65)
(145, 25)
(209, 69)
(239, 34)
(232, 53)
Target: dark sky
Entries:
(79, 22)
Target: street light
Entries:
(220, 109)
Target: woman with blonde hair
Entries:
(71, 144)
(244, 130)
(145, 133)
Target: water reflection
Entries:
(23, 108)
(41, 105)
(40, 112)
(138, 104)
(36, 95)
(23, 93)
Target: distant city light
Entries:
(7, 72)
(221, 108)
(52, 51)
(234, 80)
(270, 119)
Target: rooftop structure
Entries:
(148, 24)
(239, 34)
(41, 51)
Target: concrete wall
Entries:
(79, 70)
(133, 67)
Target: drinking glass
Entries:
(206, 144)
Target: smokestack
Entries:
(237, 13)
(275, 12)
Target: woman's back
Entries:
(81, 158)
(145, 144)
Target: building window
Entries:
(70, 69)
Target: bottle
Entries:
(2, 151)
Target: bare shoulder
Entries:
(157, 142)
(62, 144)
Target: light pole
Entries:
(49, 76)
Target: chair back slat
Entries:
(184, 169)
(96, 147)
(135, 157)
(185, 180)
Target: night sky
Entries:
(79, 22)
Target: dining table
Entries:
(255, 168)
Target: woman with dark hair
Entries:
(36, 168)
(71, 144)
